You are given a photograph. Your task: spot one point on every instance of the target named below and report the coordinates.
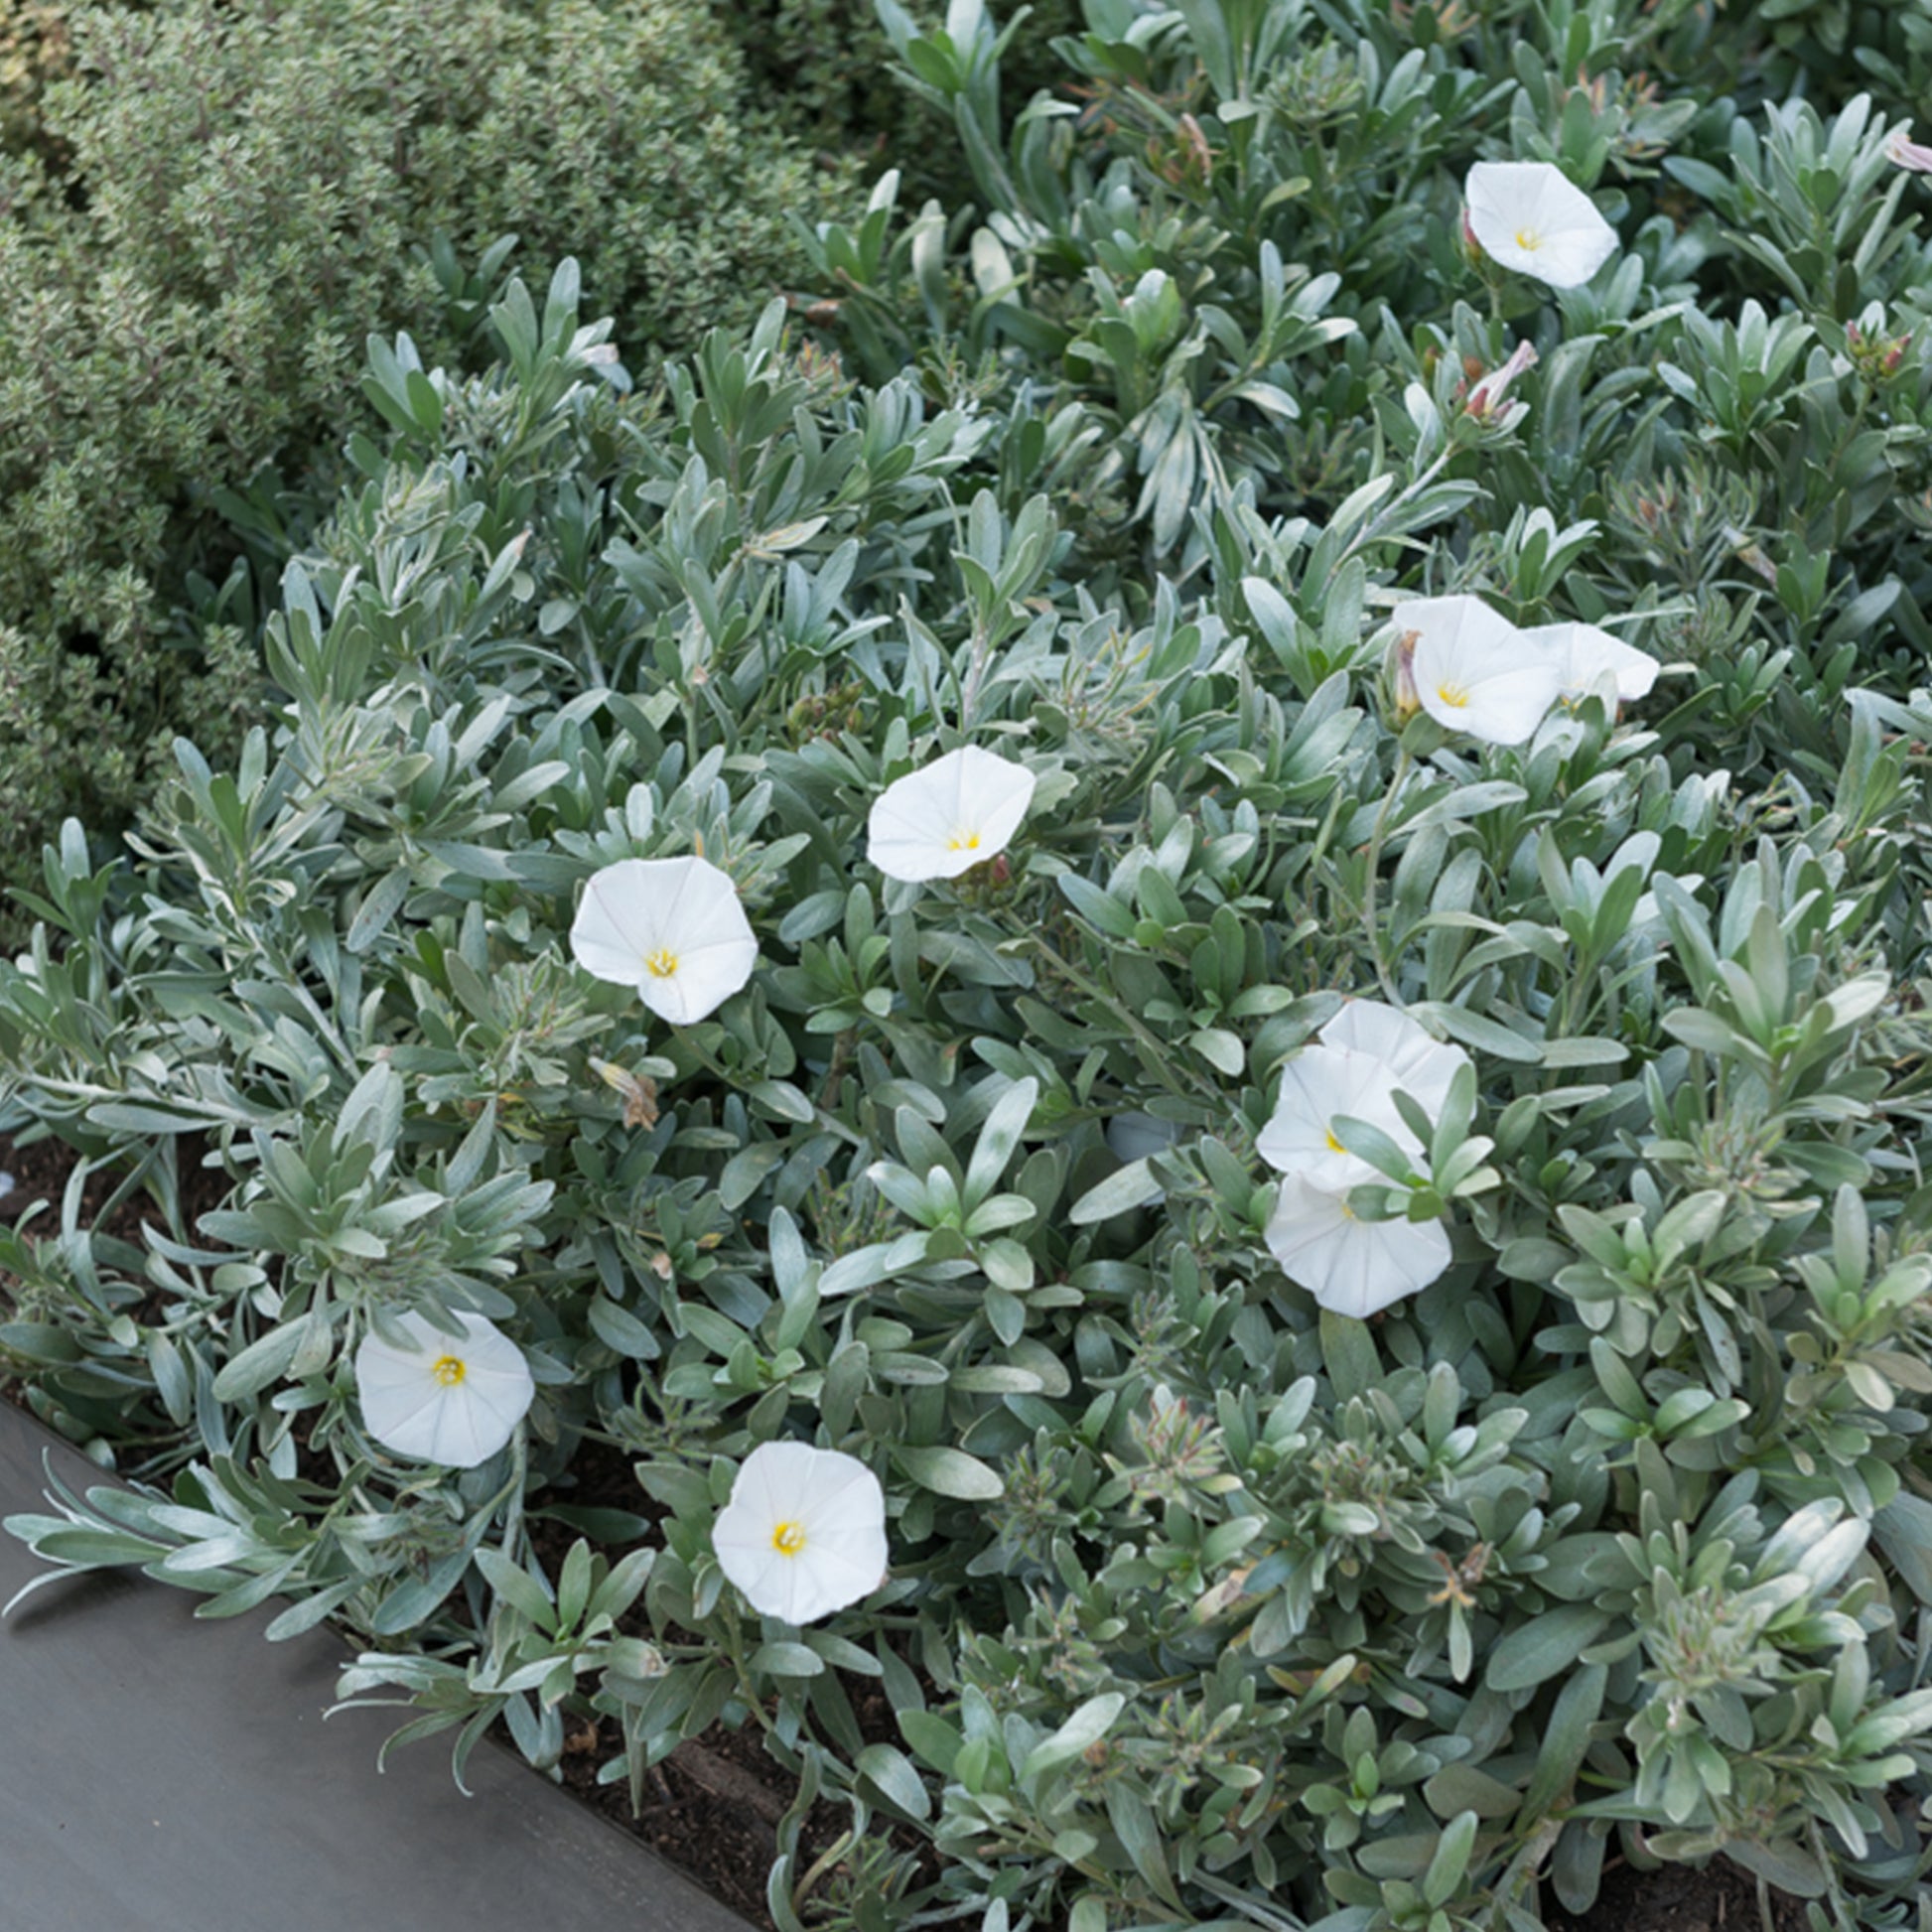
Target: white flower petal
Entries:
(1506, 707)
(1422, 1065)
(1583, 655)
(831, 1502)
(617, 920)
(465, 1433)
(1351, 1266)
(1317, 1087)
(503, 1397)
(460, 1424)
(741, 1535)
(835, 1580)
(1463, 625)
(845, 1494)
(409, 1421)
(1002, 809)
(1530, 216)
(1472, 671)
(702, 983)
(767, 1577)
(673, 928)
(949, 817)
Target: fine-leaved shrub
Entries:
(1201, 1601)
(196, 231)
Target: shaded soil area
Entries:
(39, 1174)
(1717, 1898)
(714, 1807)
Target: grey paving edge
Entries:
(160, 1774)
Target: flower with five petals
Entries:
(804, 1532)
(948, 817)
(1530, 216)
(671, 928)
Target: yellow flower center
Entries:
(661, 964)
(1455, 696)
(788, 1538)
(1529, 240)
(1335, 1146)
(449, 1370)
(963, 842)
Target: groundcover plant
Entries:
(1337, 1311)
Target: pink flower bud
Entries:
(1904, 152)
(1487, 395)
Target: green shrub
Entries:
(826, 65)
(1201, 1597)
(35, 50)
(1207, 1604)
(1242, 257)
(237, 197)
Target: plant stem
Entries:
(1155, 1048)
(1370, 914)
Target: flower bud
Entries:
(1402, 667)
(1486, 397)
(1904, 152)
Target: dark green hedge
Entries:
(200, 224)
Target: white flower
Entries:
(1366, 1053)
(1582, 654)
(1317, 1087)
(673, 929)
(1530, 216)
(1472, 670)
(804, 1532)
(449, 1398)
(1351, 1266)
(1421, 1064)
(957, 811)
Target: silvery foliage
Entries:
(1205, 1608)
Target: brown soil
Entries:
(714, 1806)
(1717, 1898)
(712, 1809)
(39, 1174)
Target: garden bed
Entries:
(1090, 1091)
(712, 1809)
(166, 1771)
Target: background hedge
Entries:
(203, 210)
